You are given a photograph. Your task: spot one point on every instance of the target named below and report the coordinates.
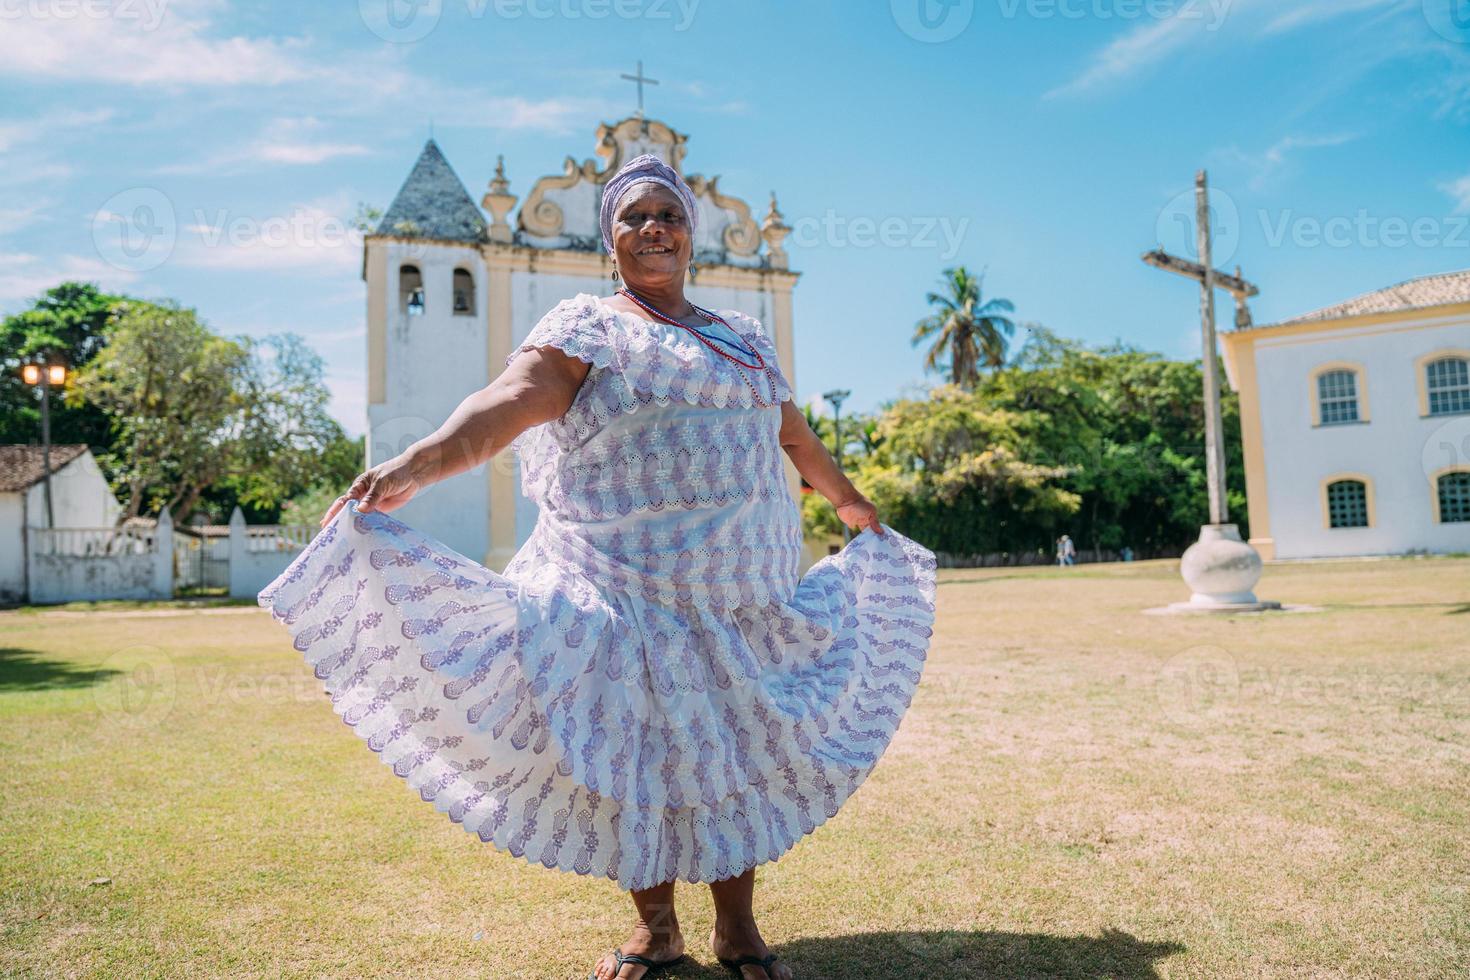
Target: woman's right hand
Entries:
(385, 487)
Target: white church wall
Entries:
(432, 361)
(1389, 448)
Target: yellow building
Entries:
(1355, 421)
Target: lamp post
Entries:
(45, 375)
(835, 398)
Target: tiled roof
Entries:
(432, 203)
(1416, 294)
(21, 466)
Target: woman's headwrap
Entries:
(639, 170)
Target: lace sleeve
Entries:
(575, 327)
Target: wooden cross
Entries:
(1209, 278)
(641, 80)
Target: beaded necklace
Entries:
(709, 339)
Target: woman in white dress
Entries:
(649, 692)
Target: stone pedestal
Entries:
(1222, 571)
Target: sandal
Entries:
(637, 960)
(764, 962)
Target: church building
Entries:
(451, 289)
(1355, 421)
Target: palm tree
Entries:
(970, 332)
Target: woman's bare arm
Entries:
(536, 387)
(817, 467)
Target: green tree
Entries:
(169, 386)
(967, 332)
(67, 324)
(199, 419)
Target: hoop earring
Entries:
(693, 271)
(615, 273)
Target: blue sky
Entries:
(1046, 142)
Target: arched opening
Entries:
(464, 293)
(410, 290)
(1452, 496)
(1347, 503)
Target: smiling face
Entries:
(651, 240)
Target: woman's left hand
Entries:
(859, 512)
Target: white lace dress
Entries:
(649, 692)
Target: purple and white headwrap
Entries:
(643, 169)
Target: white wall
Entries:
(12, 549)
(80, 497)
(432, 362)
(1396, 447)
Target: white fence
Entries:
(65, 564)
(89, 563)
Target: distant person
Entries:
(1127, 553)
(1066, 551)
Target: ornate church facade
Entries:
(450, 292)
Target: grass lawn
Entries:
(1078, 790)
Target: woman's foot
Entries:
(667, 945)
(733, 942)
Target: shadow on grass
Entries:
(958, 955)
(25, 670)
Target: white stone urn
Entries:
(1222, 571)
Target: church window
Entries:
(1448, 382)
(411, 290)
(1453, 492)
(1347, 504)
(1337, 397)
(464, 293)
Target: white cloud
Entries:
(46, 127)
(1151, 42)
(1309, 13)
(308, 239)
(1196, 21)
(159, 45)
(1277, 157)
(289, 141)
(1460, 191)
(24, 276)
(13, 219)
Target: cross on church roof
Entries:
(641, 80)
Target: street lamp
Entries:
(45, 375)
(835, 398)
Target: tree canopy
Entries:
(177, 415)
